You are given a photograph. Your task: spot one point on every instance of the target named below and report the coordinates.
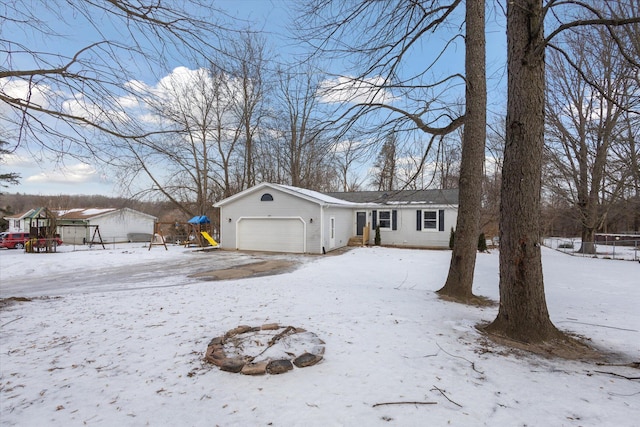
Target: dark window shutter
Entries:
(394, 220)
(418, 220)
(374, 219)
(441, 220)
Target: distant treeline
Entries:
(12, 204)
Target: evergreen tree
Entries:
(384, 179)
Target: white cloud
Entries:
(342, 146)
(357, 91)
(20, 89)
(74, 174)
(137, 86)
(129, 101)
(13, 160)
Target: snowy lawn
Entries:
(129, 349)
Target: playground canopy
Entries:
(200, 219)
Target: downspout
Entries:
(322, 250)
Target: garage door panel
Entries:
(271, 234)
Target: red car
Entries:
(19, 240)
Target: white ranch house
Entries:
(282, 218)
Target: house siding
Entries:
(17, 224)
(114, 226)
(316, 210)
(283, 205)
(345, 227)
(407, 233)
(75, 233)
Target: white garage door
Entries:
(271, 234)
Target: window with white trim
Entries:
(384, 220)
(430, 220)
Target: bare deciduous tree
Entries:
(247, 64)
(347, 154)
(305, 144)
(388, 32)
(523, 314)
(192, 166)
(585, 124)
(459, 283)
(61, 96)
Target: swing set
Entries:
(199, 233)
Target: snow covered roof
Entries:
(21, 215)
(401, 197)
(89, 213)
(359, 198)
(323, 197)
(83, 213)
(304, 193)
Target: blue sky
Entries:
(41, 176)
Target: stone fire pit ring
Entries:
(267, 349)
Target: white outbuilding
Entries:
(112, 225)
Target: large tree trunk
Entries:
(523, 314)
(588, 245)
(463, 259)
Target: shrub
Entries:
(482, 243)
(452, 236)
(377, 239)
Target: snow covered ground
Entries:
(626, 250)
(117, 337)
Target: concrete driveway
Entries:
(92, 277)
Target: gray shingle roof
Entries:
(440, 197)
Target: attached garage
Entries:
(280, 218)
(279, 234)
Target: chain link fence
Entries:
(614, 248)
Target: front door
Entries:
(361, 222)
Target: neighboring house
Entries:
(78, 226)
(281, 218)
(31, 221)
(19, 223)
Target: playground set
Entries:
(42, 232)
(197, 232)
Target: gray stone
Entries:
(279, 366)
(238, 330)
(217, 341)
(232, 365)
(215, 356)
(254, 368)
(306, 359)
(270, 327)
